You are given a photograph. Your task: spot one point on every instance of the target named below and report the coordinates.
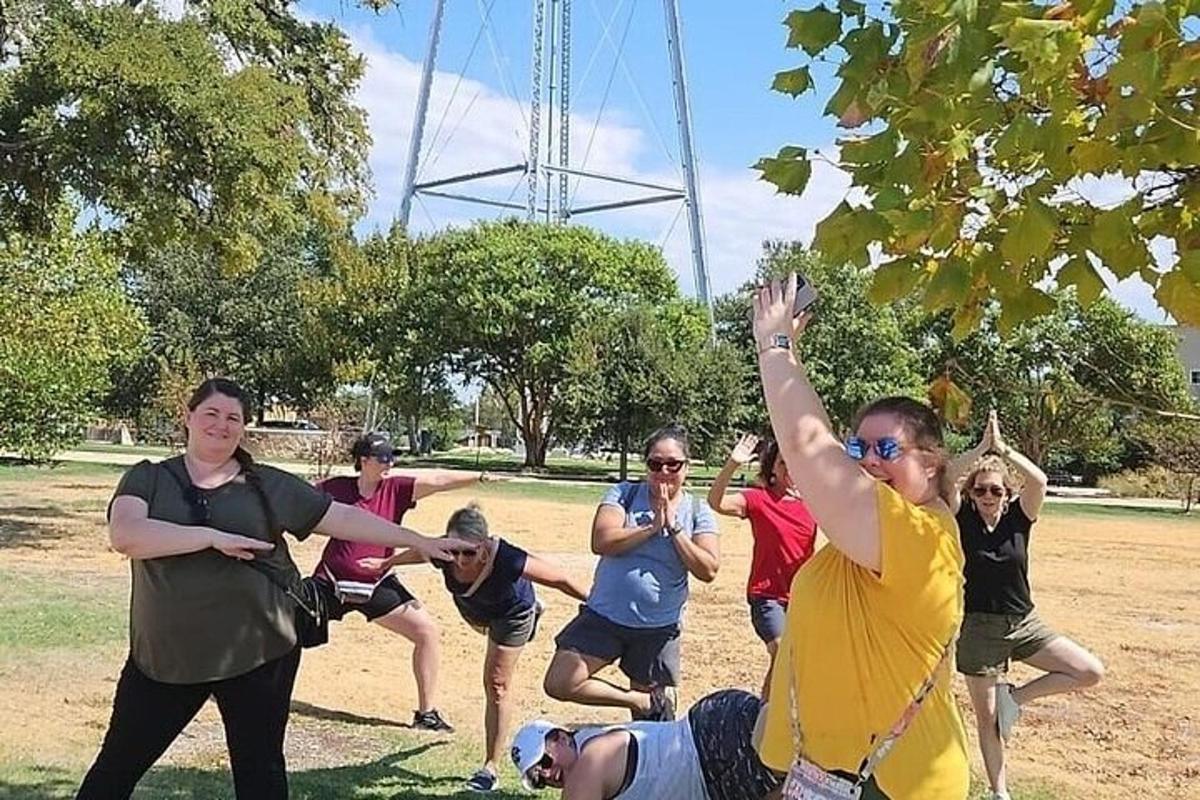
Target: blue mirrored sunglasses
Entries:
(886, 447)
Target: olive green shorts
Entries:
(987, 642)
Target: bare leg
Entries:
(1068, 667)
(570, 677)
(772, 650)
(983, 698)
(415, 624)
(498, 668)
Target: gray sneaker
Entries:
(431, 720)
(1007, 710)
(484, 780)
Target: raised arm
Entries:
(732, 505)
(356, 525)
(960, 466)
(840, 494)
(610, 537)
(445, 480)
(1034, 481)
(548, 574)
(132, 533)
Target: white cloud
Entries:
(489, 130)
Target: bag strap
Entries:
(880, 746)
(189, 488)
(485, 572)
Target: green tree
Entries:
(380, 332)
(512, 299)
(1066, 381)
(983, 121)
(66, 324)
(255, 326)
(640, 367)
(1174, 444)
(854, 352)
(230, 126)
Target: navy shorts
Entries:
(648, 656)
(768, 616)
(389, 595)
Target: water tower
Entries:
(547, 167)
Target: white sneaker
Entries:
(999, 796)
(1007, 711)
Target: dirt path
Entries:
(1125, 588)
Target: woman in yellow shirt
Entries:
(871, 616)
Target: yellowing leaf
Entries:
(1180, 297)
(1024, 306)
(1080, 273)
(893, 280)
(1032, 235)
(1095, 156)
(793, 81)
(813, 30)
(949, 285)
(950, 401)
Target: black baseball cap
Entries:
(375, 445)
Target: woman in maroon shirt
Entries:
(784, 535)
(358, 577)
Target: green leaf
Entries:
(1079, 272)
(789, 170)
(949, 285)
(1115, 240)
(813, 30)
(1032, 235)
(1180, 296)
(1095, 156)
(851, 8)
(1022, 307)
(965, 10)
(982, 77)
(845, 234)
(869, 149)
(793, 81)
(893, 280)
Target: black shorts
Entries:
(648, 656)
(722, 726)
(389, 595)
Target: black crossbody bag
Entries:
(312, 612)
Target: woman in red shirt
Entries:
(784, 535)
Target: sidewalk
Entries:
(1057, 494)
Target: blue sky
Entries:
(731, 51)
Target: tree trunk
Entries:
(414, 434)
(262, 404)
(623, 443)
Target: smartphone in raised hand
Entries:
(806, 295)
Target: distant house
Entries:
(480, 437)
(1189, 355)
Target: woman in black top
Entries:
(1000, 622)
(201, 623)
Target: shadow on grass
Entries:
(28, 526)
(385, 778)
(300, 708)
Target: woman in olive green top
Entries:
(201, 624)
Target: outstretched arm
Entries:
(357, 525)
(548, 574)
(1035, 482)
(445, 480)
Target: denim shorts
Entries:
(768, 616)
(647, 656)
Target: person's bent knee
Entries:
(1091, 673)
(559, 683)
(496, 689)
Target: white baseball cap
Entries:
(529, 745)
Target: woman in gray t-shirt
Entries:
(201, 624)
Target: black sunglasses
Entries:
(198, 501)
(538, 779)
(671, 465)
(994, 491)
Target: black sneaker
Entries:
(431, 720)
(483, 781)
(662, 704)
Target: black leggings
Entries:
(148, 715)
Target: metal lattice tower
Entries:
(551, 72)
